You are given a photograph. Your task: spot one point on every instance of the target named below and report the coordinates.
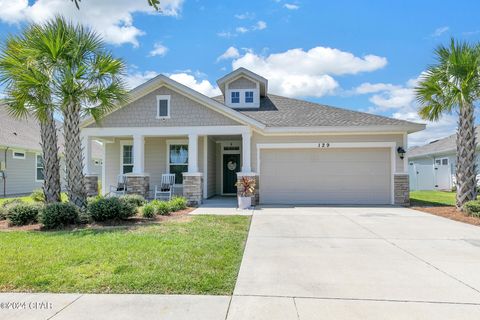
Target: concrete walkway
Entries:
(317, 263)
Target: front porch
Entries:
(206, 161)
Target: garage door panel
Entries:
(325, 176)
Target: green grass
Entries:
(432, 198)
(28, 199)
(196, 255)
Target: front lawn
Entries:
(432, 198)
(190, 255)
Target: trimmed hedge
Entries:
(164, 208)
(473, 208)
(149, 211)
(102, 209)
(57, 215)
(23, 214)
(134, 199)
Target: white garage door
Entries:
(325, 176)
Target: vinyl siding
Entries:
(20, 174)
(242, 83)
(183, 112)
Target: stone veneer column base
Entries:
(256, 197)
(138, 184)
(401, 189)
(193, 188)
(91, 184)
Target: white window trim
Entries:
(174, 142)
(242, 104)
(163, 97)
(36, 167)
(19, 151)
(441, 161)
(239, 96)
(122, 144)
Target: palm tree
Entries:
(453, 85)
(28, 93)
(85, 80)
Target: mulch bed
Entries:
(450, 213)
(131, 222)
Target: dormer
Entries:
(243, 88)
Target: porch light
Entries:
(401, 152)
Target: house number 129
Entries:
(324, 145)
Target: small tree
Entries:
(452, 84)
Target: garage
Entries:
(325, 176)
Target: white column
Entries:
(138, 154)
(192, 153)
(246, 149)
(87, 154)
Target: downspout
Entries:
(4, 176)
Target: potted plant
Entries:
(246, 186)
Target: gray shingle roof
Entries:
(445, 145)
(278, 111)
(25, 134)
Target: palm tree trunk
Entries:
(51, 165)
(466, 145)
(77, 193)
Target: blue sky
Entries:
(362, 55)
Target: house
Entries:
(299, 152)
(21, 165)
(432, 166)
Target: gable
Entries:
(184, 111)
(242, 83)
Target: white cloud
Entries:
(202, 86)
(241, 30)
(297, 72)
(399, 100)
(158, 50)
(230, 53)
(245, 15)
(260, 25)
(113, 19)
(291, 6)
(135, 79)
(439, 31)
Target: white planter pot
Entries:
(244, 202)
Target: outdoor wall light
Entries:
(401, 152)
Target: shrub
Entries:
(473, 208)
(11, 202)
(178, 203)
(23, 214)
(3, 213)
(134, 199)
(59, 214)
(102, 209)
(149, 210)
(38, 196)
(163, 207)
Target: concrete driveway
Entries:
(357, 263)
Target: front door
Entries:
(231, 165)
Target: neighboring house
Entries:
(432, 166)
(21, 165)
(300, 152)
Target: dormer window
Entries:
(235, 97)
(163, 107)
(248, 96)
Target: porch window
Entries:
(163, 107)
(178, 161)
(18, 155)
(127, 158)
(39, 167)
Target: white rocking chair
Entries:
(121, 188)
(165, 190)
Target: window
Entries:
(248, 96)
(442, 162)
(18, 155)
(127, 158)
(235, 97)
(163, 107)
(178, 160)
(445, 162)
(438, 162)
(39, 167)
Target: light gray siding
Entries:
(242, 83)
(20, 174)
(183, 112)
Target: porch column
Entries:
(192, 153)
(138, 154)
(91, 180)
(246, 148)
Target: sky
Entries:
(360, 55)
